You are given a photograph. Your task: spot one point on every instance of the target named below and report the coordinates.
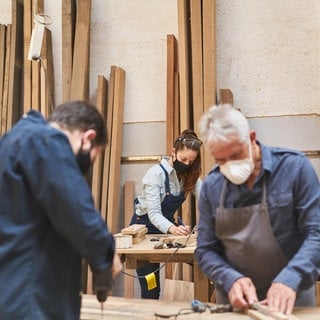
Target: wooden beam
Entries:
(171, 71)
(183, 49)
(4, 109)
(197, 62)
(47, 75)
(68, 34)
(106, 161)
(209, 68)
(97, 176)
(80, 67)
(116, 149)
(27, 75)
(16, 62)
(128, 212)
(3, 32)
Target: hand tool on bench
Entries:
(261, 312)
(102, 282)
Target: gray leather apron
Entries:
(249, 243)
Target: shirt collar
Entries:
(165, 162)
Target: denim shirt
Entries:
(293, 198)
(48, 222)
(153, 193)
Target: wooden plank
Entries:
(80, 68)
(209, 68)
(101, 104)
(3, 32)
(171, 71)
(27, 75)
(16, 62)
(178, 290)
(183, 53)
(106, 161)
(116, 149)
(47, 75)
(197, 63)
(68, 26)
(35, 67)
(128, 212)
(4, 113)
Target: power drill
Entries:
(198, 306)
(102, 283)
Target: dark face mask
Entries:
(180, 166)
(83, 160)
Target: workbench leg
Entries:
(201, 285)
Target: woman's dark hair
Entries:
(188, 139)
(80, 115)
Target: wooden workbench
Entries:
(141, 309)
(144, 252)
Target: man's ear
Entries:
(87, 138)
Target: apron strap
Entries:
(167, 185)
(224, 193)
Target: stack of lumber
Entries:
(191, 85)
(137, 231)
(24, 84)
(11, 60)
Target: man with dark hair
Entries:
(48, 221)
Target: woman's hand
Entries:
(179, 230)
(116, 265)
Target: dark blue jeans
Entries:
(143, 271)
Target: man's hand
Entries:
(280, 298)
(242, 293)
(116, 265)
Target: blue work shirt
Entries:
(293, 198)
(48, 222)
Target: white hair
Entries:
(222, 123)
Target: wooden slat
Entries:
(209, 68)
(171, 71)
(106, 161)
(35, 67)
(3, 32)
(68, 27)
(80, 67)
(183, 53)
(116, 149)
(4, 108)
(16, 62)
(128, 212)
(197, 63)
(27, 75)
(101, 104)
(47, 75)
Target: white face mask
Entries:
(238, 171)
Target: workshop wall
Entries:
(268, 55)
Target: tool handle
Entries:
(102, 282)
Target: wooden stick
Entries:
(3, 32)
(97, 167)
(128, 212)
(184, 54)
(16, 61)
(80, 67)
(47, 75)
(116, 149)
(27, 75)
(4, 108)
(106, 162)
(68, 33)
(171, 70)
